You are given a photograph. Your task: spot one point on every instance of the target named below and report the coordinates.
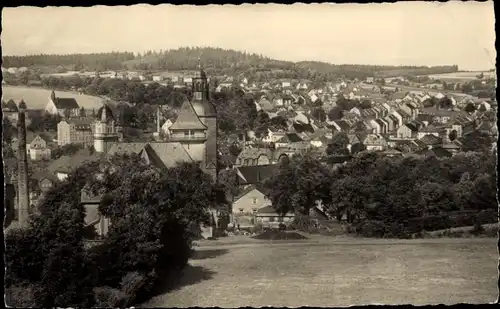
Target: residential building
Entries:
(36, 146)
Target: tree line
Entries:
(218, 61)
(391, 197)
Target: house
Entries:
(64, 165)
(374, 142)
(376, 126)
(398, 116)
(430, 140)
(36, 146)
(75, 131)
(254, 156)
(157, 78)
(10, 110)
(64, 107)
(268, 217)
(383, 125)
(40, 183)
(246, 205)
(273, 135)
(265, 105)
(288, 139)
(430, 129)
(288, 100)
(407, 130)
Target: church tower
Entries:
(104, 130)
(208, 116)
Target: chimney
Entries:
(158, 119)
(22, 179)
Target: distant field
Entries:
(338, 273)
(37, 98)
(462, 75)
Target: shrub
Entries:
(371, 228)
(135, 284)
(21, 295)
(257, 228)
(108, 297)
(486, 216)
(304, 224)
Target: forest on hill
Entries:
(217, 61)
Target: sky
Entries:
(403, 33)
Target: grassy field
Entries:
(338, 273)
(462, 75)
(37, 98)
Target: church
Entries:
(193, 138)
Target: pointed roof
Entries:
(187, 119)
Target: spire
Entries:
(53, 95)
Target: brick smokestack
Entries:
(22, 177)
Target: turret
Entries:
(104, 130)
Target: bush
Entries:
(107, 297)
(257, 228)
(371, 228)
(21, 295)
(304, 224)
(135, 284)
(487, 216)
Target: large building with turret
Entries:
(193, 138)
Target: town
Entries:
(128, 162)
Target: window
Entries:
(197, 95)
(280, 219)
(254, 200)
(254, 209)
(241, 210)
(271, 219)
(186, 133)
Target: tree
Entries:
(453, 135)
(261, 124)
(338, 145)
(470, 108)
(476, 141)
(298, 185)
(335, 113)
(65, 150)
(365, 104)
(445, 102)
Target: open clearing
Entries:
(37, 98)
(337, 272)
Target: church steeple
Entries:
(200, 84)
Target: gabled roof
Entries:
(9, 106)
(255, 174)
(187, 119)
(290, 138)
(249, 189)
(66, 103)
(430, 139)
(30, 136)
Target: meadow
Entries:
(462, 75)
(37, 98)
(337, 273)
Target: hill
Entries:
(217, 61)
